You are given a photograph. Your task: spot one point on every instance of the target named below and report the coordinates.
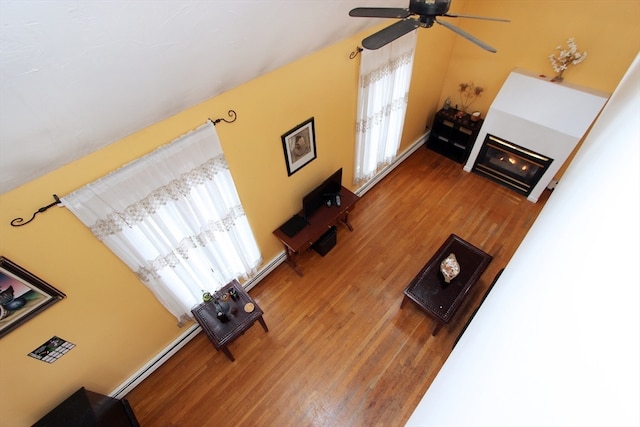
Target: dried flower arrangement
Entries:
(468, 94)
(566, 57)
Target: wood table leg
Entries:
(345, 219)
(404, 298)
(264, 325)
(439, 326)
(291, 261)
(226, 351)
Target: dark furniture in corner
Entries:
(86, 408)
(453, 137)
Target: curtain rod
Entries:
(355, 53)
(230, 113)
(18, 222)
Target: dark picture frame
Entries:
(23, 295)
(299, 146)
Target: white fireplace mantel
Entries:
(546, 117)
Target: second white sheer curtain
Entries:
(174, 218)
(383, 94)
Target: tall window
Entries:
(383, 94)
(175, 218)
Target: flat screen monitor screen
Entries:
(333, 184)
(317, 197)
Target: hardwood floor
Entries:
(339, 351)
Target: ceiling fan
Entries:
(427, 11)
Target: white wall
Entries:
(557, 341)
(545, 117)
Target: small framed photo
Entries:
(52, 350)
(22, 296)
(299, 146)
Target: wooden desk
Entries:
(323, 219)
(432, 294)
(221, 334)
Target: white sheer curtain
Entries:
(385, 75)
(175, 218)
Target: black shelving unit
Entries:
(453, 134)
(86, 408)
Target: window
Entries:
(385, 75)
(175, 218)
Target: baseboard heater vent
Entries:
(183, 339)
(385, 171)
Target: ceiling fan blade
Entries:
(379, 12)
(467, 36)
(486, 18)
(389, 34)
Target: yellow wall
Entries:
(611, 37)
(114, 321)
(607, 31)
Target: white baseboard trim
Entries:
(184, 338)
(399, 159)
(264, 271)
(153, 364)
(156, 362)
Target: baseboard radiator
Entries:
(195, 329)
(184, 338)
(385, 171)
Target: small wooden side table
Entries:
(242, 314)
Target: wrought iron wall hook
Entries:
(355, 52)
(230, 113)
(18, 222)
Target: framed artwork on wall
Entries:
(22, 295)
(299, 146)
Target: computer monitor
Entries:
(333, 184)
(313, 200)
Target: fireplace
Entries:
(536, 124)
(510, 165)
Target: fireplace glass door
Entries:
(509, 164)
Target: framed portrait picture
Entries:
(299, 146)
(22, 295)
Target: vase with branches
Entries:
(468, 94)
(566, 57)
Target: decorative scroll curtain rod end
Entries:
(232, 114)
(18, 222)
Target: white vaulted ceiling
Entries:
(76, 76)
